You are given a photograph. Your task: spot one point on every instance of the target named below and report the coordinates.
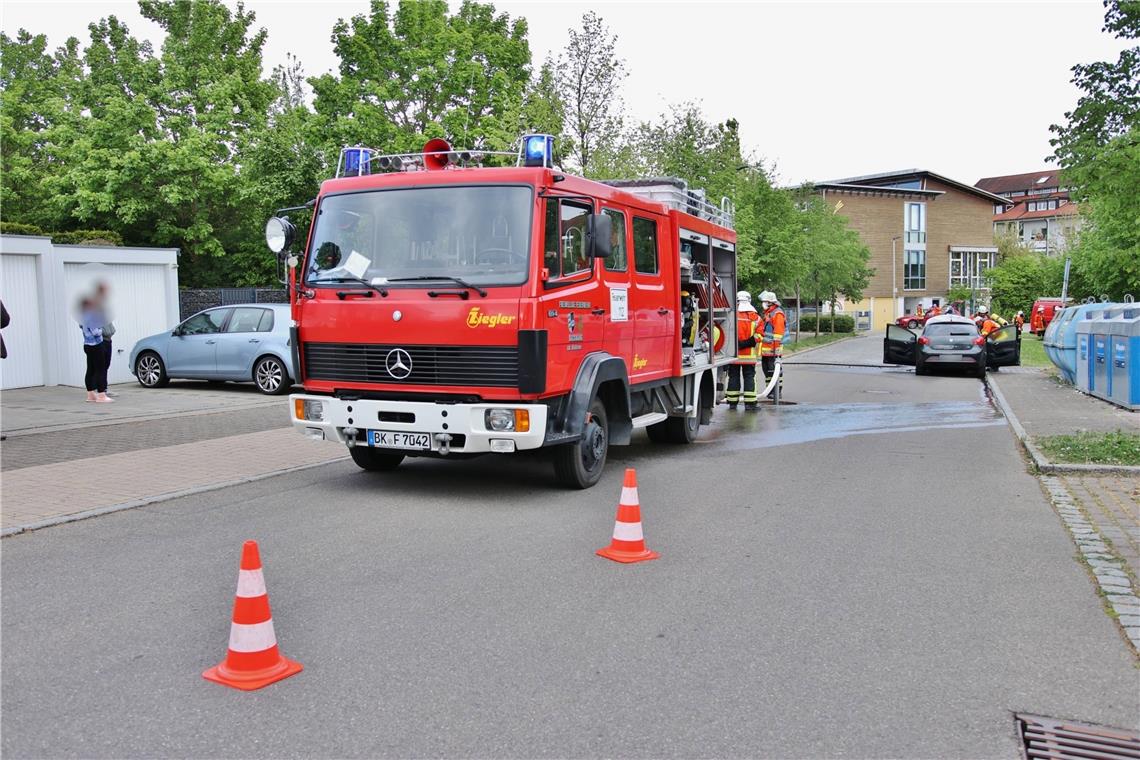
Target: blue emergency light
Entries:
(357, 161)
(538, 150)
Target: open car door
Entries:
(900, 346)
(1003, 347)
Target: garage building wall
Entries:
(143, 300)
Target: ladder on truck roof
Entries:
(675, 193)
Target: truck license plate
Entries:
(389, 439)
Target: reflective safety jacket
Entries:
(987, 327)
(775, 327)
(747, 340)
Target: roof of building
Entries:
(1013, 182)
(882, 178)
(877, 189)
(1019, 212)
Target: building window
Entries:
(999, 208)
(1017, 194)
(914, 222)
(968, 268)
(914, 270)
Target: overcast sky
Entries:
(822, 90)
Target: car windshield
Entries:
(944, 330)
(478, 234)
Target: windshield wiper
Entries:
(456, 280)
(382, 291)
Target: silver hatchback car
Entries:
(245, 342)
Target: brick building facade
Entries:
(926, 233)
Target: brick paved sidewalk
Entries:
(34, 494)
(1045, 406)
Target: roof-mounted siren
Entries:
(538, 150)
(355, 162)
(390, 163)
(437, 154)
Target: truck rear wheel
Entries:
(375, 460)
(675, 430)
(580, 464)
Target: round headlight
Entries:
(278, 234)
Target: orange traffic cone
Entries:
(628, 544)
(252, 660)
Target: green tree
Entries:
(589, 81)
(39, 109)
(1099, 151)
(420, 73)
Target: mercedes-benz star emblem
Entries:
(398, 363)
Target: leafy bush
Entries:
(15, 228)
(844, 323)
(90, 237)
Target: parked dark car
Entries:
(245, 342)
(952, 342)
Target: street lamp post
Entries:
(894, 280)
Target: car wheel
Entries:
(579, 465)
(980, 372)
(375, 460)
(150, 370)
(920, 368)
(270, 377)
(912, 324)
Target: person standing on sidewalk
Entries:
(91, 325)
(773, 328)
(102, 306)
(4, 320)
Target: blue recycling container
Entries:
(1062, 350)
(1123, 336)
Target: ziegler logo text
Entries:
(476, 318)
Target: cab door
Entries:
(1003, 347)
(900, 346)
(651, 303)
(615, 270)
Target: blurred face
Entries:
(765, 304)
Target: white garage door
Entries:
(20, 291)
(138, 308)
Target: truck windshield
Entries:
(479, 234)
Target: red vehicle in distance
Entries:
(911, 321)
(1044, 309)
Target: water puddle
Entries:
(779, 426)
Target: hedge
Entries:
(74, 237)
(843, 324)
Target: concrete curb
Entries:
(99, 511)
(1039, 461)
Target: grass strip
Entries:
(1117, 448)
(808, 341)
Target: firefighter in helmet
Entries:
(742, 372)
(773, 328)
(986, 324)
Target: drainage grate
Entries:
(1043, 737)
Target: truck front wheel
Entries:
(580, 464)
(375, 460)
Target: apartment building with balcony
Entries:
(1037, 209)
(926, 233)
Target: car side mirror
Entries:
(600, 229)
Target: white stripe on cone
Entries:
(251, 583)
(624, 531)
(628, 496)
(252, 638)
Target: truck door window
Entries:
(645, 245)
(565, 247)
(619, 259)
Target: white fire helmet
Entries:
(983, 309)
(743, 296)
(770, 297)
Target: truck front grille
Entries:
(489, 366)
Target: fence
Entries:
(190, 302)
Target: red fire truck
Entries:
(443, 307)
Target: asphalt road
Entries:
(870, 572)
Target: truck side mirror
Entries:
(600, 230)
